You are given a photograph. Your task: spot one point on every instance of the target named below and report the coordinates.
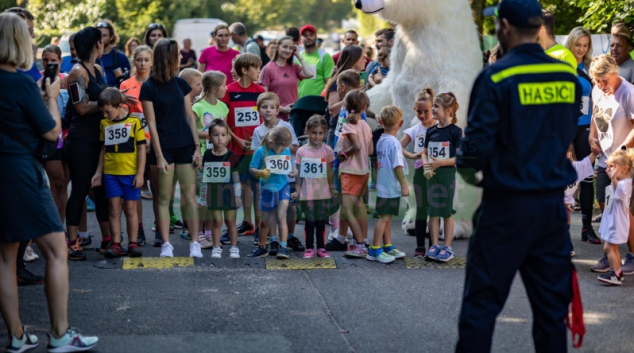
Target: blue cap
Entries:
(519, 13)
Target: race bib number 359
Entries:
(313, 168)
(247, 116)
(279, 164)
(117, 134)
(438, 150)
(216, 172)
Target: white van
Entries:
(197, 29)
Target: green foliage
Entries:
(599, 14)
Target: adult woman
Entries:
(130, 45)
(114, 63)
(153, 33)
(612, 128)
(281, 75)
(580, 44)
(23, 113)
(218, 57)
(271, 48)
(175, 143)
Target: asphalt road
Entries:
(358, 307)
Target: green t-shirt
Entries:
(562, 53)
(632, 54)
(206, 113)
(322, 67)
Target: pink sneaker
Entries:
(309, 254)
(356, 251)
(323, 253)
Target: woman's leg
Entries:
(186, 176)
(82, 164)
(162, 197)
(57, 179)
(232, 229)
(154, 188)
(9, 288)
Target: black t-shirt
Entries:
(441, 137)
(24, 111)
(332, 122)
(169, 110)
(216, 190)
(188, 56)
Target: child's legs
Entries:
(362, 218)
(434, 229)
(380, 228)
(130, 208)
(349, 205)
(256, 204)
(614, 257)
(232, 229)
(448, 230)
(269, 224)
(291, 218)
(420, 191)
(281, 209)
(387, 233)
(630, 239)
(216, 226)
(248, 199)
(114, 204)
(309, 227)
(139, 212)
(320, 233)
(186, 176)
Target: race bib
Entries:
(438, 150)
(419, 143)
(216, 172)
(608, 198)
(571, 188)
(143, 121)
(279, 164)
(314, 68)
(117, 134)
(313, 168)
(246, 116)
(585, 105)
(339, 127)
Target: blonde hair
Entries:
(575, 34)
(390, 116)
(602, 66)
(268, 96)
(356, 102)
(15, 41)
(279, 136)
(141, 48)
(624, 158)
(211, 80)
(189, 74)
(448, 101)
(427, 95)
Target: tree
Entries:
(600, 14)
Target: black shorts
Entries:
(387, 206)
(221, 197)
(178, 155)
(58, 155)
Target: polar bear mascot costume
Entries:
(436, 45)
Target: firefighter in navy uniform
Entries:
(522, 118)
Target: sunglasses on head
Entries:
(155, 26)
(102, 25)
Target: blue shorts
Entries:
(121, 186)
(270, 199)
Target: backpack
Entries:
(265, 58)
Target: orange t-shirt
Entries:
(134, 89)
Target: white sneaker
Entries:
(234, 252)
(167, 250)
(72, 341)
(216, 253)
(194, 250)
(349, 232)
(205, 241)
(333, 234)
(27, 343)
(30, 255)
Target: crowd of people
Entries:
(121, 126)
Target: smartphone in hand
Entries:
(49, 72)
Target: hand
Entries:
(417, 155)
(287, 109)
(334, 192)
(295, 195)
(429, 174)
(296, 52)
(128, 98)
(264, 173)
(378, 77)
(138, 181)
(243, 144)
(292, 174)
(161, 164)
(596, 148)
(341, 157)
(197, 158)
(52, 88)
(405, 190)
(238, 202)
(569, 207)
(96, 180)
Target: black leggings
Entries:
(312, 227)
(586, 191)
(420, 190)
(83, 157)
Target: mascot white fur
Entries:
(436, 45)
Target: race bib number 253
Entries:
(247, 117)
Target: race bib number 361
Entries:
(216, 172)
(117, 134)
(246, 116)
(313, 168)
(279, 164)
(438, 150)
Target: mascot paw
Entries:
(408, 225)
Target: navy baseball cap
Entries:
(519, 13)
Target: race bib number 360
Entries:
(438, 150)
(279, 164)
(117, 134)
(246, 116)
(216, 172)
(313, 168)
(419, 143)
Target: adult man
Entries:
(512, 106)
(351, 37)
(239, 36)
(551, 47)
(620, 49)
(188, 55)
(621, 27)
(320, 61)
(382, 38)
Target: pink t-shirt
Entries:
(357, 163)
(315, 188)
(218, 60)
(281, 80)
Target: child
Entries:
(615, 222)
(208, 109)
(416, 134)
(584, 169)
(268, 108)
(383, 69)
(439, 161)
(271, 163)
(354, 149)
(243, 118)
(142, 61)
(121, 165)
(223, 186)
(315, 184)
(391, 186)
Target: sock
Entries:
(217, 247)
(83, 234)
(341, 238)
(351, 241)
(375, 247)
(283, 244)
(107, 239)
(365, 240)
(207, 233)
(140, 225)
(273, 238)
(233, 247)
(387, 245)
(362, 245)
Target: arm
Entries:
(202, 67)
(593, 139)
(299, 180)
(371, 80)
(307, 71)
(52, 91)
(140, 169)
(237, 188)
(398, 172)
(355, 146)
(629, 140)
(79, 76)
(331, 180)
(196, 158)
(334, 103)
(244, 144)
(96, 179)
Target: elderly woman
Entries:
(612, 128)
(26, 121)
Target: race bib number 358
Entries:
(313, 168)
(247, 116)
(117, 134)
(279, 164)
(216, 172)
(438, 150)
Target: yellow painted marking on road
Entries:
(157, 263)
(414, 263)
(301, 264)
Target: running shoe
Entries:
(309, 254)
(90, 205)
(185, 234)
(611, 278)
(175, 222)
(158, 240)
(134, 250)
(323, 253)
(216, 253)
(259, 252)
(589, 236)
(103, 247)
(26, 343)
(224, 239)
(445, 254)
(114, 251)
(419, 252)
(380, 256)
(602, 265)
(71, 341)
(295, 244)
(205, 241)
(26, 277)
(234, 252)
(256, 236)
(628, 266)
(30, 255)
(167, 250)
(432, 252)
(391, 250)
(75, 252)
(282, 253)
(356, 251)
(245, 228)
(194, 250)
(141, 237)
(86, 243)
(275, 246)
(335, 245)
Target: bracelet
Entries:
(344, 155)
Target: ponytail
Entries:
(448, 101)
(355, 102)
(427, 95)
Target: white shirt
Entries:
(389, 156)
(414, 131)
(615, 222)
(612, 117)
(584, 170)
(260, 131)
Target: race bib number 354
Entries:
(117, 134)
(246, 117)
(216, 172)
(438, 150)
(279, 164)
(313, 168)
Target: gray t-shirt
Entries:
(251, 46)
(626, 70)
